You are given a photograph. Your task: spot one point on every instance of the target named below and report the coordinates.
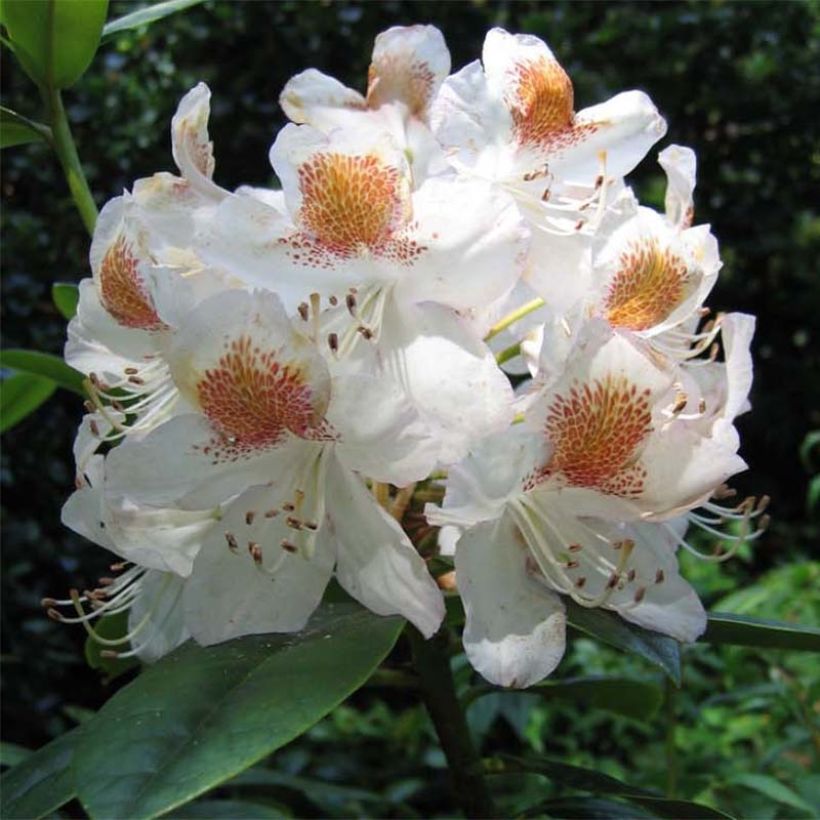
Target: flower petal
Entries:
(231, 593)
(376, 562)
(314, 98)
(516, 629)
(680, 165)
(159, 605)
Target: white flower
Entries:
(565, 505)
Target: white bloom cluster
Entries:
(268, 362)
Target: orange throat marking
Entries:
(252, 399)
(122, 290)
(349, 202)
(649, 284)
(596, 430)
(402, 80)
(542, 105)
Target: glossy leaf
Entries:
(576, 777)
(587, 808)
(638, 699)
(773, 789)
(42, 782)
(55, 40)
(66, 296)
(43, 364)
(202, 715)
(20, 395)
(16, 129)
(658, 649)
(741, 630)
(12, 753)
(146, 16)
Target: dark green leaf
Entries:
(587, 808)
(230, 810)
(42, 782)
(65, 296)
(740, 630)
(589, 780)
(20, 395)
(638, 699)
(146, 16)
(662, 651)
(202, 715)
(43, 364)
(12, 753)
(55, 40)
(18, 130)
(774, 790)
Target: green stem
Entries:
(438, 690)
(66, 151)
(512, 318)
(508, 353)
(671, 740)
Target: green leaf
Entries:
(111, 626)
(16, 129)
(638, 699)
(55, 40)
(203, 714)
(740, 630)
(20, 395)
(12, 753)
(146, 16)
(589, 780)
(774, 790)
(660, 650)
(230, 810)
(43, 364)
(65, 296)
(42, 782)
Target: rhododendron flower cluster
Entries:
(272, 372)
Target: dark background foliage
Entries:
(737, 82)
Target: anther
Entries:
(704, 311)
(256, 552)
(136, 380)
(310, 526)
(581, 582)
(233, 546)
(131, 371)
(579, 224)
(48, 603)
(350, 301)
(366, 332)
(89, 406)
(613, 580)
(95, 430)
(572, 565)
(681, 400)
(333, 301)
(105, 581)
(333, 341)
(724, 491)
(249, 516)
(304, 311)
(763, 503)
(659, 576)
(599, 181)
(119, 566)
(639, 594)
(630, 576)
(109, 653)
(293, 523)
(288, 507)
(288, 546)
(702, 406)
(117, 406)
(54, 615)
(574, 547)
(271, 513)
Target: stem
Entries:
(512, 318)
(671, 746)
(508, 353)
(66, 151)
(439, 693)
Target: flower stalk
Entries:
(66, 151)
(438, 691)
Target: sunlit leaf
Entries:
(42, 782)
(55, 40)
(658, 649)
(65, 296)
(203, 714)
(16, 129)
(741, 630)
(146, 16)
(20, 395)
(43, 364)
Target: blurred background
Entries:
(738, 82)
